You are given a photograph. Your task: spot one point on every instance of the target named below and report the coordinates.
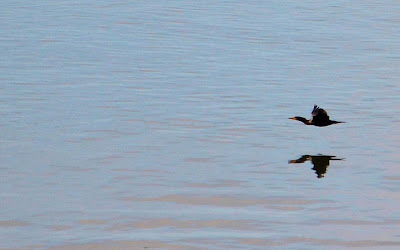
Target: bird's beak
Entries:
(293, 118)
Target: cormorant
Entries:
(320, 118)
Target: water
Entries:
(166, 124)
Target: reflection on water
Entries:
(320, 162)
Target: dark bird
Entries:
(320, 162)
(320, 118)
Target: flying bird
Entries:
(320, 118)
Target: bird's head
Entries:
(297, 118)
(302, 119)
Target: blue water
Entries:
(166, 124)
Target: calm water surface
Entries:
(165, 124)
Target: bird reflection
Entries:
(320, 162)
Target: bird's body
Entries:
(320, 118)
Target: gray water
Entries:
(165, 124)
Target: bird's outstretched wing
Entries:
(319, 114)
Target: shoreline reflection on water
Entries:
(320, 162)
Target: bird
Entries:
(320, 162)
(320, 118)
